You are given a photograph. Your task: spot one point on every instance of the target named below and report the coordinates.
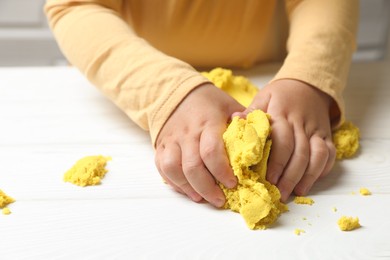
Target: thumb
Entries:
(260, 101)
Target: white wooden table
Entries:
(51, 117)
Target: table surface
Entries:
(52, 116)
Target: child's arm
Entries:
(148, 86)
(305, 97)
(144, 82)
(320, 46)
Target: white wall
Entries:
(25, 39)
(374, 29)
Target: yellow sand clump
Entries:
(5, 200)
(346, 140)
(238, 87)
(248, 145)
(87, 171)
(298, 231)
(6, 211)
(364, 191)
(303, 200)
(348, 223)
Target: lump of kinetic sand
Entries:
(248, 145)
(298, 231)
(87, 171)
(4, 201)
(348, 223)
(364, 191)
(303, 200)
(6, 211)
(238, 87)
(345, 138)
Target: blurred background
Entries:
(25, 39)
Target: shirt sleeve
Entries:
(322, 39)
(142, 81)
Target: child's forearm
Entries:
(320, 47)
(146, 84)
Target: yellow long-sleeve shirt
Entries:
(142, 53)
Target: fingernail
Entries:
(195, 196)
(235, 114)
(239, 114)
(273, 179)
(303, 191)
(219, 202)
(283, 195)
(231, 183)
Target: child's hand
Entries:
(302, 147)
(190, 152)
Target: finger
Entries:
(162, 174)
(198, 175)
(170, 167)
(157, 159)
(159, 152)
(319, 155)
(297, 165)
(260, 101)
(174, 186)
(331, 159)
(213, 154)
(282, 148)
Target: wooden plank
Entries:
(35, 172)
(176, 229)
(52, 116)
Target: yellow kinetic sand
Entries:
(365, 191)
(6, 211)
(4, 201)
(238, 87)
(303, 200)
(298, 231)
(348, 223)
(87, 171)
(345, 138)
(248, 145)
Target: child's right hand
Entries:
(190, 152)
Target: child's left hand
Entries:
(302, 147)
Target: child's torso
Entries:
(211, 33)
